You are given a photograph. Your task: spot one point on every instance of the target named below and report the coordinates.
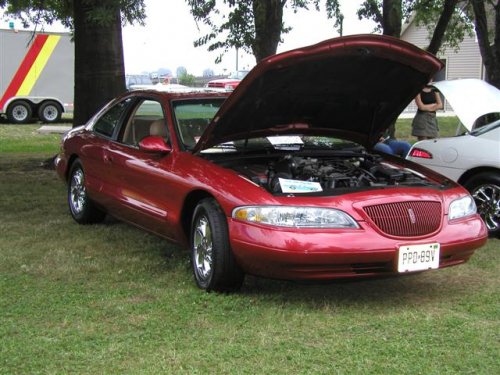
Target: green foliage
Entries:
(461, 23)
(46, 12)
(237, 27)
(233, 30)
(187, 79)
(373, 10)
(181, 70)
(426, 13)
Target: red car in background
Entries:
(230, 82)
(278, 179)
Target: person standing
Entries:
(424, 125)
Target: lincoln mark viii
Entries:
(279, 178)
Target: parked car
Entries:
(137, 81)
(472, 158)
(230, 82)
(278, 179)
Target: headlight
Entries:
(462, 207)
(295, 217)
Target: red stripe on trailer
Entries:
(24, 68)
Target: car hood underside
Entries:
(352, 87)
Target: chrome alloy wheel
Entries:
(77, 191)
(203, 248)
(487, 198)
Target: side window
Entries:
(108, 122)
(147, 119)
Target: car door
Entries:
(142, 180)
(95, 154)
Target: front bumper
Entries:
(331, 254)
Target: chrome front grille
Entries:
(406, 219)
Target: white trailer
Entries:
(36, 75)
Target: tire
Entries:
(214, 266)
(485, 189)
(50, 112)
(19, 112)
(82, 209)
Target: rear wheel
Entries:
(19, 112)
(485, 189)
(82, 209)
(50, 112)
(214, 266)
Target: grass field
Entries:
(111, 299)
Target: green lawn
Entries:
(111, 299)
(447, 128)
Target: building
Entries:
(466, 62)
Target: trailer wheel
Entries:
(19, 112)
(50, 112)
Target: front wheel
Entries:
(82, 209)
(485, 189)
(214, 266)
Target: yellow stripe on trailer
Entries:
(38, 66)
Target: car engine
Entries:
(332, 173)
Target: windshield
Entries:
(288, 143)
(192, 118)
(240, 74)
(485, 128)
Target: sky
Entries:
(166, 40)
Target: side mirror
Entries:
(154, 144)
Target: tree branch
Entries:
(438, 35)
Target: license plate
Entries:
(418, 257)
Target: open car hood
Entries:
(351, 87)
(470, 98)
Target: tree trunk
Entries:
(392, 18)
(99, 67)
(268, 20)
(442, 24)
(490, 52)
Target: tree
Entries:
(187, 79)
(181, 70)
(388, 15)
(489, 42)
(96, 25)
(255, 26)
(447, 22)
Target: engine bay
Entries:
(332, 175)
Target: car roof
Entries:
(181, 93)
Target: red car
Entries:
(230, 82)
(278, 179)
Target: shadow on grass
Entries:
(28, 163)
(445, 285)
